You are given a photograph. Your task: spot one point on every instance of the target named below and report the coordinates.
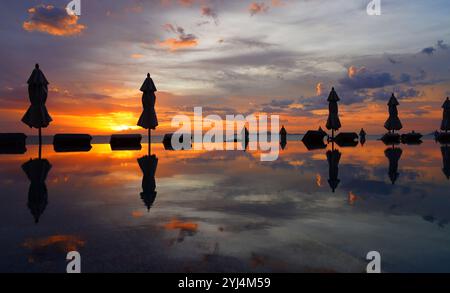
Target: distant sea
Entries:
(104, 139)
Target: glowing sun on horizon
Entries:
(124, 127)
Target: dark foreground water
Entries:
(227, 211)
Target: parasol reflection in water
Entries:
(394, 155)
(37, 171)
(333, 158)
(148, 165)
(445, 150)
(281, 210)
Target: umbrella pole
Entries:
(40, 142)
(149, 141)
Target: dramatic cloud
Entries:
(136, 56)
(428, 50)
(441, 45)
(210, 12)
(288, 51)
(182, 41)
(257, 8)
(53, 20)
(319, 89)
(361, 78)
(392, 60)
(186, 2)
(383, 95)
(353, 71)
(278, 3)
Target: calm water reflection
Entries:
(227, 211)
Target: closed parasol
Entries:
(333, 122)
(148, 119)
(393, 122)
(37, 115)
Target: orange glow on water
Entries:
(180, 225)
(63, 242)
(352, 198)
(319, 180)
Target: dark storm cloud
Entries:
(441, 45)
(368, 80)
(392, 60)
(250, 42)
(383, 95)
(428, 50)
(281, 103)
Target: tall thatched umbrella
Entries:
(333, 123)
(393, 122)
(37, 171)
(446, 159)
(148, 119)
(394, 155)
(148, 165)
(333, 158)
(445, 126)
(37, 115)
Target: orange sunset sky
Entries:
(277, 57)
